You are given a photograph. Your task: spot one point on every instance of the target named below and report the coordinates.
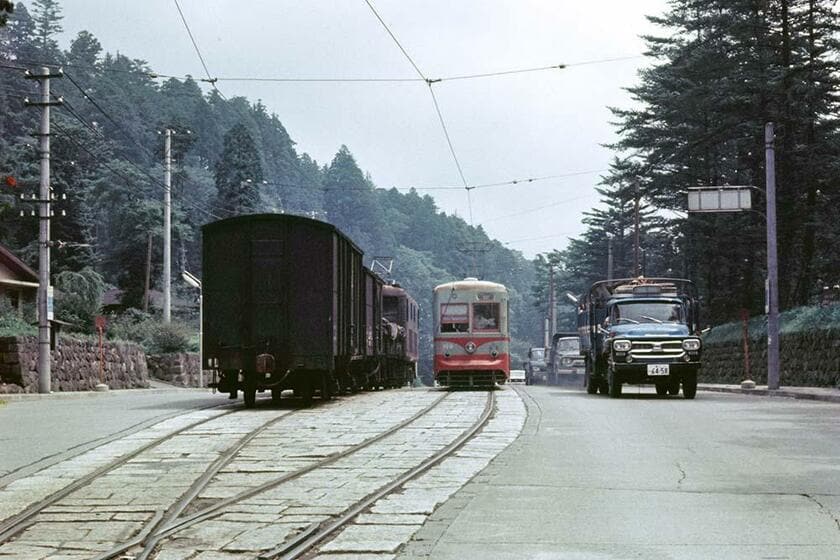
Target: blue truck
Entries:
(641, 331)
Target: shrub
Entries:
(167, 338)
(13, 322)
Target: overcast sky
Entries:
(502, 128)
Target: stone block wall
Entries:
(75, 365)
(180, 369)
(808, 359)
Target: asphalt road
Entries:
(723, 477)
(35, 433)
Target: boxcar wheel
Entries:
(326, 387)
(250, 395)
(276, 395)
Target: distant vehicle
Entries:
(288, 304)
(566, 365)
(517, 376)
(536, 368)
(641, 330)
(471, 333)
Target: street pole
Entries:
(636, 238)
(167, 227)
(609, 257)
(44, 214)
(772, 263)
(552, 310)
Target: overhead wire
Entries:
(434, 100)
(210, 79)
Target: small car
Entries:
(517, 376)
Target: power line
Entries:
(437, 107)
(210, 79)
(526, 239)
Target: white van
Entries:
(517, 376)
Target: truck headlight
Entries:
(621, 345)
(691, 344)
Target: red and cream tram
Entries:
(472, 335)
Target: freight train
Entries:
(288, 304)
(472, 334)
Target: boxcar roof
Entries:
(249, 219)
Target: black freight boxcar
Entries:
(284, 305)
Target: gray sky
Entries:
(502, 128)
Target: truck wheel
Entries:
(591, 386)
(674, 387)
(615, 385)
(603, 386)
(689, 385)
(661, 389)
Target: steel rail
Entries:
(312, 536)
(212, 510)
(18, 522)
(172, 513)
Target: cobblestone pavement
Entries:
(130, 499)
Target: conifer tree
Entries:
(239, 174)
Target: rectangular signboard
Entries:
(719, 199)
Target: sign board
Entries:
(50, 303)
(719, 199)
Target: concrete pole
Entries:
(167, 228)
(772, 263)
(552, 309)
(44, 364)
(609, 257)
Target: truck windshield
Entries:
(568, 346)
(647, 312)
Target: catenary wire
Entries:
(210, 79)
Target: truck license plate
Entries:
(658, 369)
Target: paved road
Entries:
(37, 432)
(724, 476)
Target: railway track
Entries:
(161, 521)
(14, 524)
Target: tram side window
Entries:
(454, 318)
(486, 316)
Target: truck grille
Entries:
(656, 349)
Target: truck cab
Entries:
(536, 368)
(641, 331)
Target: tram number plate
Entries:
(658, 369)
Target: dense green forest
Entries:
(231, 156)
(718, 71)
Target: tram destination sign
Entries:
(720, 199)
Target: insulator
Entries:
(32, 213)
(22, 213)
(63, 196)
(52, 213)
(63, 212)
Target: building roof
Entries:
(16, 265)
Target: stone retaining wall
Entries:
(808, 359)
(75, 365)
(180, 369)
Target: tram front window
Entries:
(486, 316)
(454, 318)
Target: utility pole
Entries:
(636, 197)
(167, 227)
(772, 262)
(44, 197)
(609, 257)
(552, 307)
(148, 275)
